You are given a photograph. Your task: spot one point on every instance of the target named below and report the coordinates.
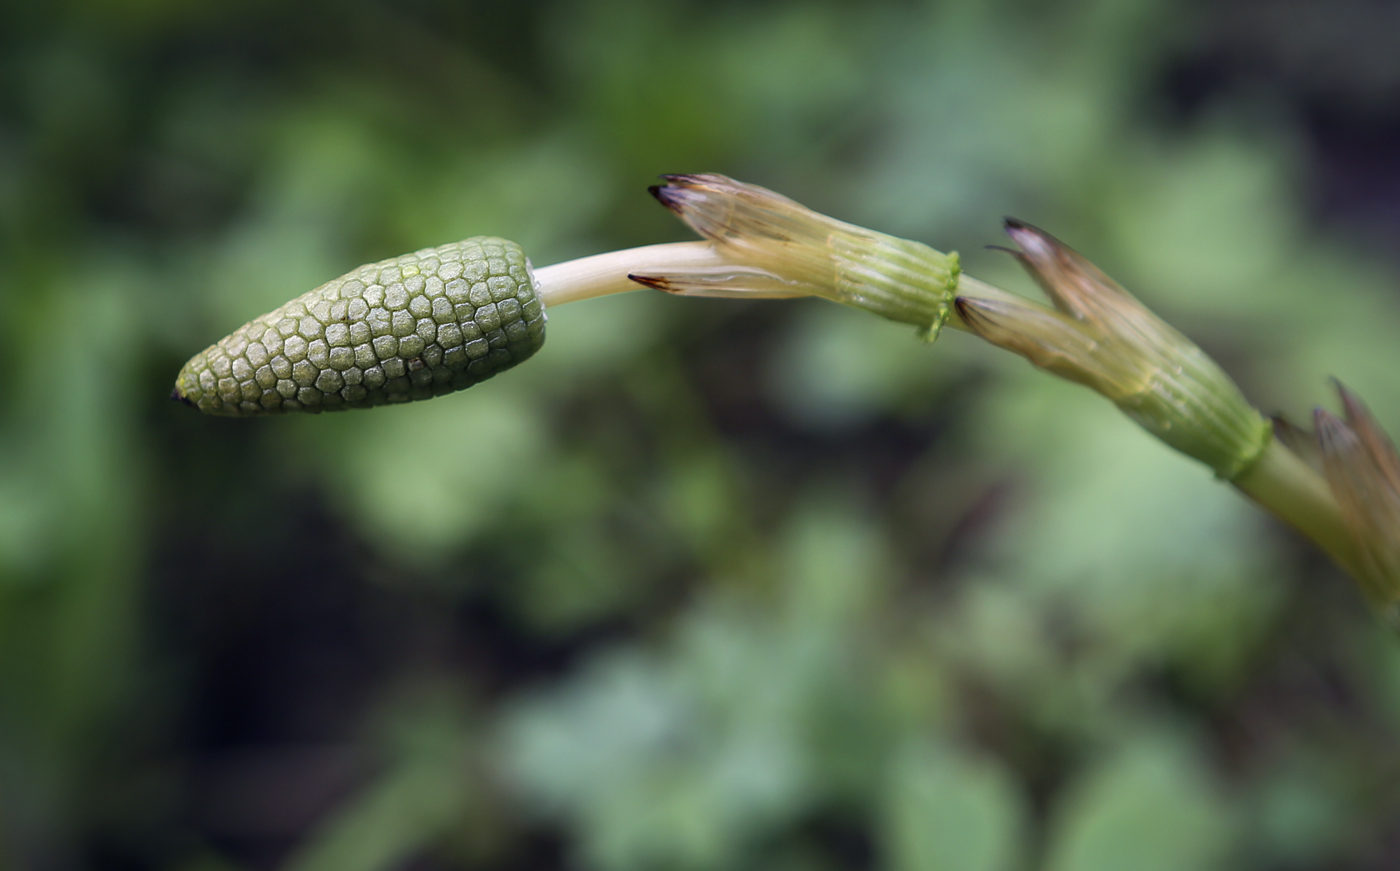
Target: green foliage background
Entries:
(707, 584)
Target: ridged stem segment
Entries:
(791, 251)
(1100, 336)
(1291, 490)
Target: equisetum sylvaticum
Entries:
(442, 319)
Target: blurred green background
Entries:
(707, 584)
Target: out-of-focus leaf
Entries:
(1301, 819)
(424, 792)
(685, 758)
(679, 763)
(1111, 505)
(837, 370)
(389, 822)
(1149, 806)
(946, 809)
(430, 475)
(1206, 228)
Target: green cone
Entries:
(411, 327)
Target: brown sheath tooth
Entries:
(657, 282)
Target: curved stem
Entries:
(1278, 481)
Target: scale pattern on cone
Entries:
(411, 327)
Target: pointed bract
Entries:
(1377, 444)
(1051, 340)
(1363, 472)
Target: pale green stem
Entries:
(602, 274)
(1292, 491)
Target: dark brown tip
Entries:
(176, 395)
(656, 282)
(666, 196)
(970, 313)
(1036, 245)
(1019, 230)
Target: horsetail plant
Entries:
(446, 318)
